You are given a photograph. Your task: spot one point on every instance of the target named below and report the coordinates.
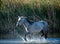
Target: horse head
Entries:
(21, 20)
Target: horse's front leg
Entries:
(26, 36)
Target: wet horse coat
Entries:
(33, 27)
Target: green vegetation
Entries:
(35, 10)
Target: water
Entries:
(32, 41)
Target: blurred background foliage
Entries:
(35, 10)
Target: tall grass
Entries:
(35, 10)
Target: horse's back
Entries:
(38, 26)
(45, 25)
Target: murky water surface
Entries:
(32, 41)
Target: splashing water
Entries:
(36, 40)
(40, 40)
(32, 40)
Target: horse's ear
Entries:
(23, 17)
(18, 16)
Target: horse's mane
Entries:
(29, 21)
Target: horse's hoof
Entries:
(45, 37)
(25, 39)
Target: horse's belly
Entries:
(35, 30)
(37, 27)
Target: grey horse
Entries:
(33, 27)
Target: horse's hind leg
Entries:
(45, 35)
(42, 33)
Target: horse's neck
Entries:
(26, 25)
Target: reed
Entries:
(35, 10)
